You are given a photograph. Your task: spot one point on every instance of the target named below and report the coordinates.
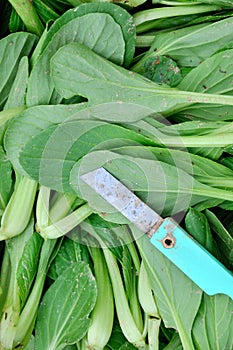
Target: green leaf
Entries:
(77, 70)
(31, 122)
(146, 19)
(27, 267)
(106, 28)
(130, 281)
(229, 150)
(198, 112)
(16, 24)
(191, 45)
(208, 203)
(76, 138)
(174, 344)
(177, 297)
(63, 321)
(12, 48)
(193, 128)
(213, 153)
(198, 227)
(191, 163)
(120, 16)
(223, 237)
(228, 162)
(227, 205)
(213, 326)
(211, 76)
(112, 235)
(69, 253)
(162, 70)
(214, 75)
(5, 179)
(17, 92)
(45, 12)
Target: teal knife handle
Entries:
(190, 257)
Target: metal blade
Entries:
(121, 198)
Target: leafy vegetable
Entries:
(17, 92)
(13, 47)
(144, 20)
(66, 322)
(69, 253)
(212, 328)
(162, 70)
(78, 70)
(211, 76)
(189, 46)
(111, 34)
(197, 225)
(96, 337)
(223, 238)
(82, 88)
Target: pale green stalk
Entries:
(29, 16)
(5, 279)
(133, 297)
(19, 209)
(145, 295)
(49, 211)
(11, 314)
(102, 315)
(42, 208)
(176, 3)
(220, 182)
(144, 40)
(227, 128)
(153, 333)
(127, 323)
(81, 345)
(134, 255)
(143, 19)
(61, 207)
(209, 140)
(66, 224)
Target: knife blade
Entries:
(165, 234)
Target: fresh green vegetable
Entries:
(102, 315)
(145, 92)
(66, 322)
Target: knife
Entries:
(164, 234)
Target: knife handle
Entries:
(191, 258)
